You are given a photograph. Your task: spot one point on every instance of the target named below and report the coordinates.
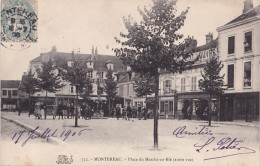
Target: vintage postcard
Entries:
(130, 82)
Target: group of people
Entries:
(128, 112)
(201, 113)
(39, 110)
(63, 110)
(69, 111)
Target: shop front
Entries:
(240, 106)
(195, 106)
(167, 107)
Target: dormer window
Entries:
(110, 65)
(89, 64)
(70, 63)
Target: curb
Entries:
(233, 124)
(38, 132)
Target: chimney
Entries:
(209, 37)
(248, 5)
(96, 52)
(92, 53)
(191, 42)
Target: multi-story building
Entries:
(98, 65)
(239, 50)
(179, 91)
(9, 94)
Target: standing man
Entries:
(117, 112)
(139, 109)
(145, 112)
(129, 112)
(60, 113)
(83, 110)
(72, 110)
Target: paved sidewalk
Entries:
(71, 122)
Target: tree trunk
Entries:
(77, 101)
(156, 90)
(29, 105)
(145, 111)
(210, 111)
(45, 108)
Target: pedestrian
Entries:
(139, 109)
(124, 113)
(42, 111)
(129, 112)
(54, 111)
(144, 113)
(114, 112)
(184, 112)
(36, 109)
(45, 109)
(68, 110)
(189, 112)
(60, 112)
(72, 110)
(83, 111)
(118, 112)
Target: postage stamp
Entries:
(18, 23)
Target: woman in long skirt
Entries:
(42, 110)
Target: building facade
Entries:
(180, 91)
(9, 94)
(98, 65)
(239, 50)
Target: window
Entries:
(167, 86)
(4, 92)
(90, 74)
(247, 74)
(9, 93)
(183, 80)
(230, 76)
(101, 74)
(130, 75)
(131, 90)
(248, 42)
(71, 89)
(162, 106)
(125, 91)
(121, 90)
(15, 93)
(231, 45)
(193, 83)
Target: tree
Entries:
(154, 43)
(212, 83)
(48, 80)
(110, 87)
(30, 85)
(75, 72)
(144, 87)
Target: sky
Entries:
(81, 24)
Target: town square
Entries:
(152, 82)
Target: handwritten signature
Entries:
(224, 144)
(46, 134)
(219, 145)
(180, 132)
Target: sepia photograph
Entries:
(130, 82)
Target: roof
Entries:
(10, 83)
(212, 44)
(99, 61)
(251, 13)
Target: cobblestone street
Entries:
(129, 138)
